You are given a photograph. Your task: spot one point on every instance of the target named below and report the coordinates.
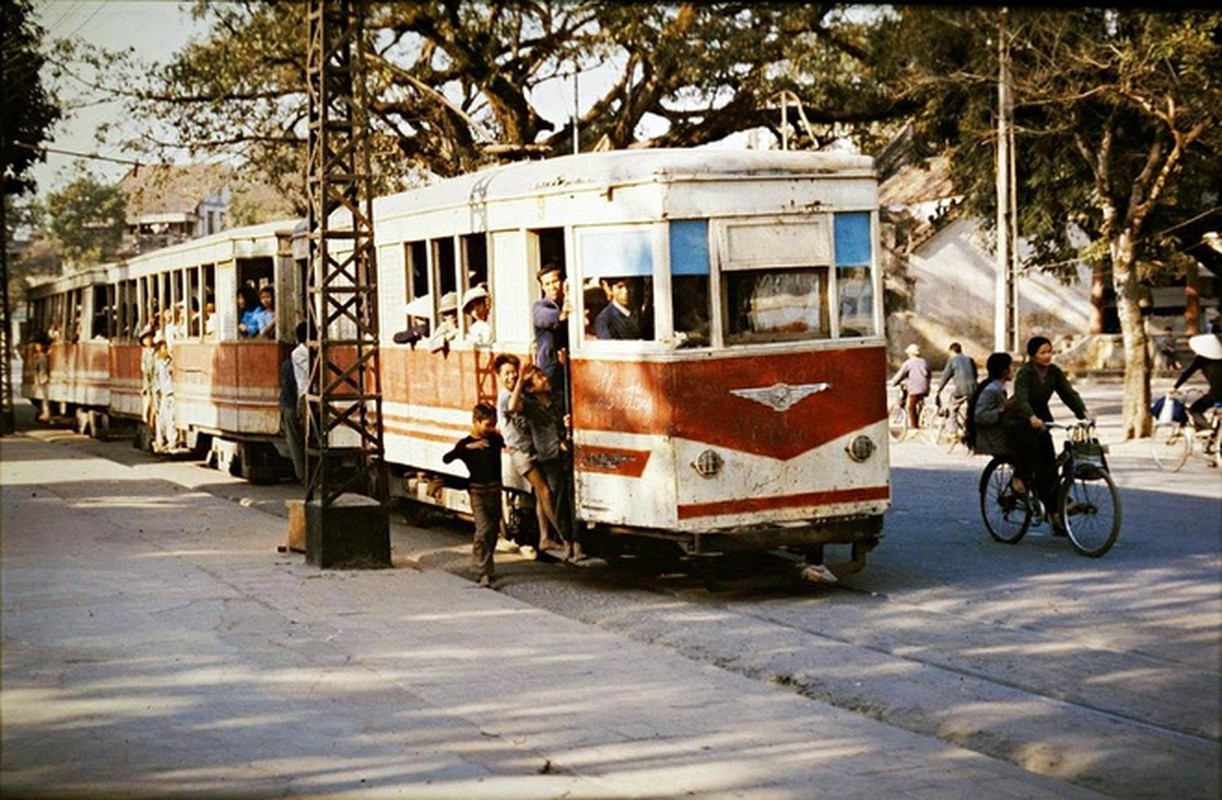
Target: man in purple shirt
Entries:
(550, 315)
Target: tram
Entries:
(746, 410)
(749, 413)
(225, 385)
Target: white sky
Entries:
(154, 28)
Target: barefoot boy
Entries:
(481, 452)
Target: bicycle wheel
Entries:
(956, 424)
(1005, 513)
(1170, 444)
(1090, 511)
(897, 422)
(930, 423)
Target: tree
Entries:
(1118, 135)
(87, 220)
(29, 109)
(457, 85)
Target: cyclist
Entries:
(962, 370)
(1207, 359)
(915, 376)
(1034, 384)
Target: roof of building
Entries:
(170, 190)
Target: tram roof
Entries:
(604, 170)
(247, 241)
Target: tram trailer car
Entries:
(69, 315)
(226, 386)
(748, 413)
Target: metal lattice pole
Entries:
(7, 409)
(346, 512)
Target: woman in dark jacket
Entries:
(1034, 384)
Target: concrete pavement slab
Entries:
(156, 644)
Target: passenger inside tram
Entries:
(477, 304)
(691, 307)
(267, 313)
(248, 305)
(622, 317)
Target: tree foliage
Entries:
(30, 110)
(87, 220)
(1117, 132)
(456, 85)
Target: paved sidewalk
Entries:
(156, 645)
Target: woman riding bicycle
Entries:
(1034, 384)
(1208, 360)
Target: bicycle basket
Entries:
(1088, 458)
(1169, 409)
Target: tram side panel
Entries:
(732, 453)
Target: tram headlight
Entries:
(707, 464)
(861, 448)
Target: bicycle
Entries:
(897, 416)
(1087, 502)
(1172, 441)
(945, 425)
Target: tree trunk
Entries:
(1192, 301)
(1135, 413)
(1098, 287)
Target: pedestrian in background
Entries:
(292, 405)
(915, 376)
(42, 379)
(481, 452)
(166, 435)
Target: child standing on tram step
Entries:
(481, 452)
(148, 380)
(549, 436)
(520, 445)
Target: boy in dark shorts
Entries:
(481, 452)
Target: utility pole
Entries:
(8, 422)
(347, 523)
(1005, 317)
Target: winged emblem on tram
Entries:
(780, 396)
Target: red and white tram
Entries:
(225, 385)
(749, 413)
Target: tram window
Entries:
(776, 305)
(210, 321)
(620, 264)
(475, 259)
(689, 282)
(193, 321)
(99, 323)
(447, 266)
(417, 271)
(76, 325)
(854, 287)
